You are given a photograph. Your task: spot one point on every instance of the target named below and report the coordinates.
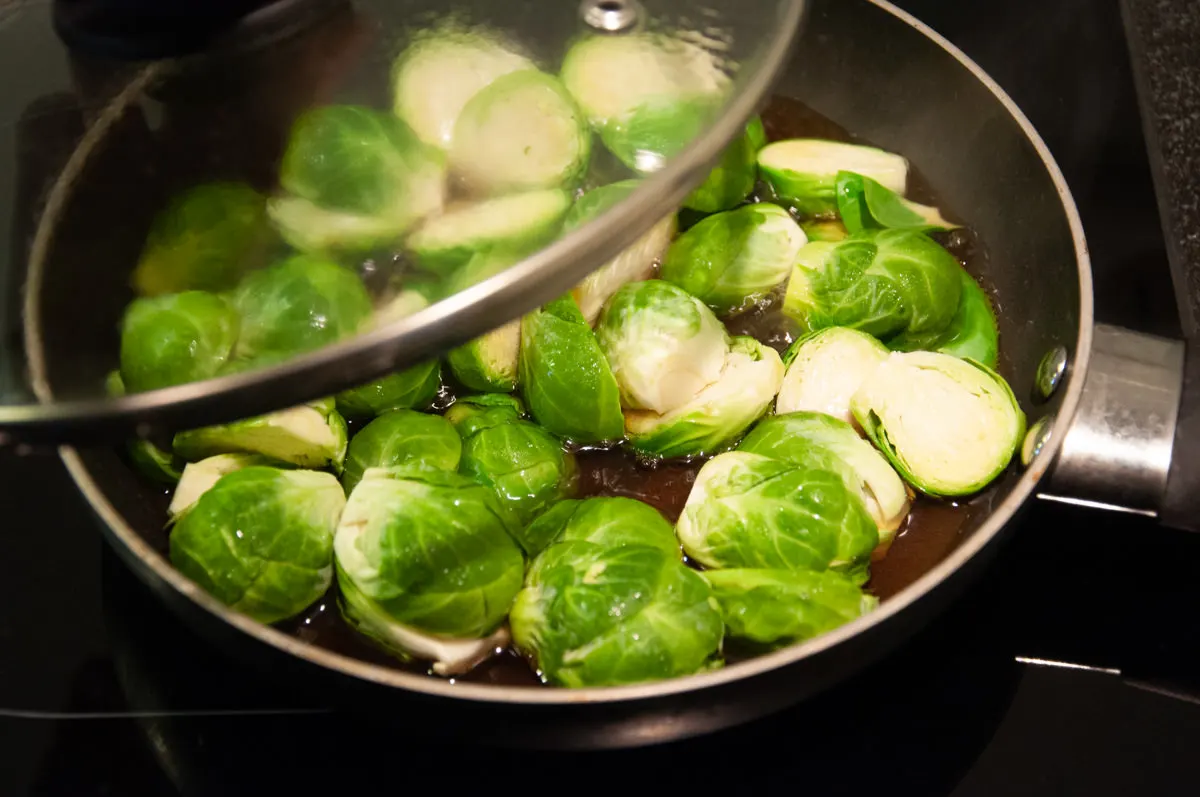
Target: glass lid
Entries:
(249, 206)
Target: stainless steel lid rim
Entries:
(979, 539)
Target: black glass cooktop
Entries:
(1072, 667)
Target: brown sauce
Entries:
(931, 532)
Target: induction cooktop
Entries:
(1071, 667)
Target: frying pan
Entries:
(1103, 403)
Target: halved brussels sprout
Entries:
(733, 178)
(883, 282)
(522, 131)
(565, 377)
(198, 478)
(719, 414)
(972, 333)
(490, 362)
(260, 540)
(825, 368)
(425, 564)
(520, 223)
(865, 204)
(521, 461)
(772, 607)
(664, 345)
(402, 437)
(803, 172)
(412, 388)
(748, 510)
(600, 608)
(309, 436)
(297, 305)
(803, 438)
(824, 230)
(366, 170)
(174, 339)
(633, 264)
(205, 239)
(949, 426)
(440, 71)
(734, 259)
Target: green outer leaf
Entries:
(205, 239)
(864, 203)
(153, 463)
(565, 378)
(308, 436)
(945, 484)
(412, 388)
(525, 465)
(733, 178)
(473, 414)
(607, 522)
(824, 230)
(972, 333)
(780, 606)
(659, 130)
(492, 159)
(882, 282)
(802, 173)
(747, 510)
(356, 159)
(719, 414)
(175, 339)
(402, 437)
(596, 201)
(261, 540)
(431, 548)
(733, 259)
(297, 305)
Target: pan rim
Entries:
(538, 695)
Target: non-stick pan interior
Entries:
(872, 73)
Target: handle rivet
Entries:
(610, 16)
(1036, 439)
(1050, 372)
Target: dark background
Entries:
(953, 713)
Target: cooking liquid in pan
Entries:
(932, 530)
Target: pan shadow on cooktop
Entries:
(917, 704)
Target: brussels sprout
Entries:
(520, 223)
(747, 510)
(523, 131)
(402, 437)
(204, 240)
(972, 333)
(659, 130)
(825, 368)
(664, 345)
(405, 303)
(770, 607)
(882, 282)
(438, 73)
(154, 463)
(309, 436)
(412, 388)
(805, 438)
(606, 522)
(489, 362)
(865, 204)
(601, 608)
(632, 264)
(734, 259)
(198, 477)
(803, 172)
(949, 426)
(565, 378)
(733, 178)
(299, 304)
(260, 540)
(365, 175)
(521, 461)
(824, 230)
(425, 562)
(718, 415)
(173, 339)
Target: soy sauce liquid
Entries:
(932, 530)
